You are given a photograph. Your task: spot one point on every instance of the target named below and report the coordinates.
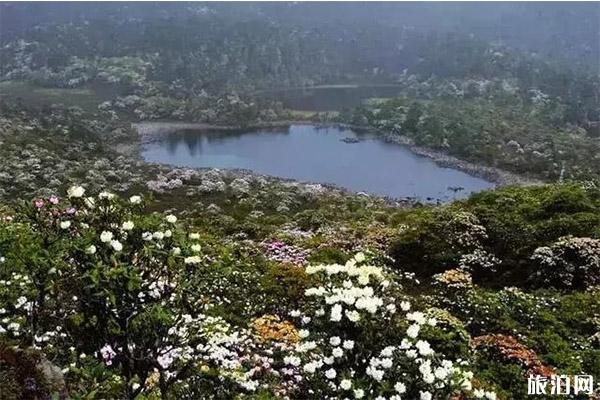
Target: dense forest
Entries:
(126, 279)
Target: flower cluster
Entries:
(270, 327)
(571, 262)
(16, 291)
(466, 230)
(479, 260)
(281, 252)
(109, 256)
(350, 345)
(510, 349)
(457, 278)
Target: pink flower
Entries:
(70, 210)
(108, 354)
(53, 199)
(39, 203)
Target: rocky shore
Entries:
(214, 179)
(496, 175)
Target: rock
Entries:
(52, 374)
(28, 369)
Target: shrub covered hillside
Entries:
(126, 279)
(491, 122)
(102, 298)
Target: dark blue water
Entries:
(312, 154)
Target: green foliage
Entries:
(103, 291)
(507, 378)
(509, 224)
(21, 376)
(518, 137)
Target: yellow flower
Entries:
(153, 379)
(270, 327)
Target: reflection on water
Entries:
(346, 158)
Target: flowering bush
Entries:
(270, 327)
(359, 341)
(95, 276)
(509, 348)
(98, 277)
(453, 279)
(572, 263)
(284, 253)
(128, 303)
(440, 240)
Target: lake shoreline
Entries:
(149, 131)
(491, 174)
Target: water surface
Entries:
(313, 154)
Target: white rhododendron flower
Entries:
(303, 333)
(135, 199)
(116, 245)
(106, 236)
(106, 195)
(65, 224)
(424, 348)
(75, 191)
(91, 249)
(346, 384)
(417, 316)
(413, 331)
(400, 387)
(353, 315)
(192, 260)
(425, 396)
(127, 225)
(336, 313)
(171, 218)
